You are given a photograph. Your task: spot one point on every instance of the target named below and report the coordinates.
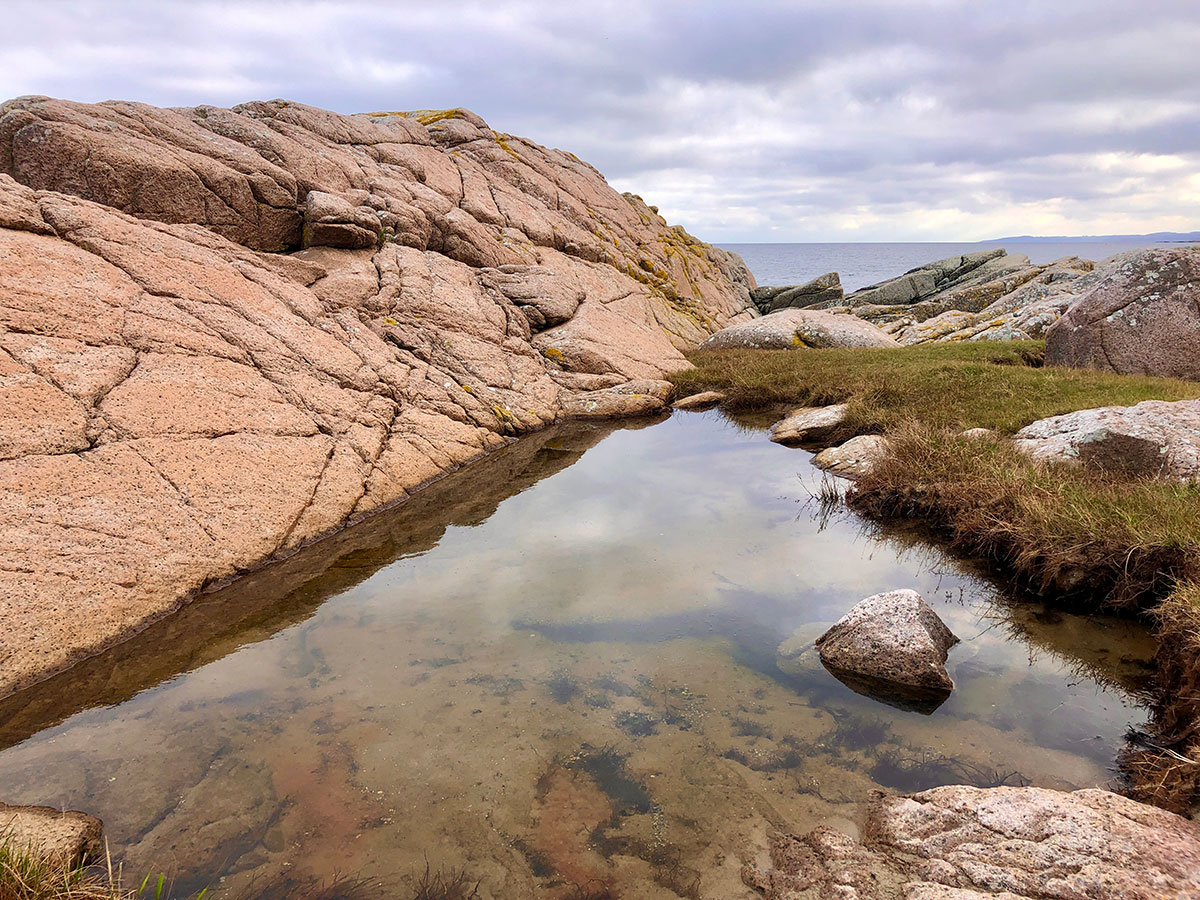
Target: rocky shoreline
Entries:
(225, 334)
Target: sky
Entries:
(843, 120)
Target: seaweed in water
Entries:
(749, 728)
(563, 688)
(444, 884)
(339, 887)
(930, 770)
(861, 732)
(607, 768)
(637, 724)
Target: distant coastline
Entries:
(1182, 237)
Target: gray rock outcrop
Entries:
(1155, 437)
(1005, 843)
(892, 646)
(1142, 318)
(791, 329)
(824, 290)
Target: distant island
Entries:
(1181, 237)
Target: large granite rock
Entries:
(891, 646)
(1155, 437)
(989, 295)
(177, 407)
(799, 328)
(65, 839)
(924, 281)
(1142, 318)
(1037, 298)
(1005, 843)
(823, 290)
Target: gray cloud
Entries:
(856, 120)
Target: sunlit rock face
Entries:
(226, 332)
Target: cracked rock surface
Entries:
(965, 843)
(224, 333)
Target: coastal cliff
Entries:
(224, 333)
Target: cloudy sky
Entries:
(757, 121)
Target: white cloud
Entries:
(866, 119)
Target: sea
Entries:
(863, 264)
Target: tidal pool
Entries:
(554, 674)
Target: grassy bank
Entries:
(1087, 539)
(960, 385)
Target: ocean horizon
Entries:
(865, 263)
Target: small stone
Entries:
(809, 423)
(854, 458)
(703, 400)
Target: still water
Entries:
(555, 673)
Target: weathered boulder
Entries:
(63, 838)
(1143, 318)
(808, 424)
(1005, 843)
(1155, 437)
(823, 290)
(799, 328)
(891, 646)
(334, 221)
(155, 367)
(854, 458)
(634, 398)
(703, 400)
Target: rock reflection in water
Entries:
(556, 672)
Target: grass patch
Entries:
(1098, 539)
(953, 385)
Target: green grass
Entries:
(952, 385)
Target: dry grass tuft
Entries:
(1098, 539)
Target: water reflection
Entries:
(558, 669)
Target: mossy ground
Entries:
(1091, 540)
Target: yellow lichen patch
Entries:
(503, 413)
(467, 388)
(502, 140)
(388, 320)
(430, 116)
(553, 354)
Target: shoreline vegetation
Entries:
(1082, 539)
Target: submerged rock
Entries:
(1155, 437)
(854, 458)
(791, 329)
(808, 424)
(893, 647)
(1142, 318)
(825, 289)
(64, 839)
(1019, 843)
(459, 288)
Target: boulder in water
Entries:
(893, 647)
